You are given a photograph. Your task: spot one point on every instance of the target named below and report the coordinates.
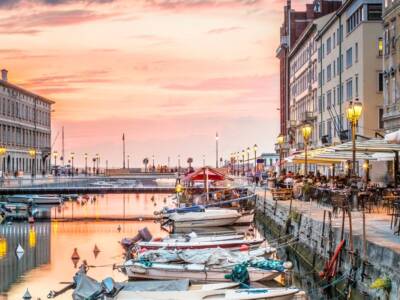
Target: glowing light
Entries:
(32, 152)
(32, 238)
(306, 130)
(3, 247)
(179, 188)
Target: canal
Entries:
(100, 222)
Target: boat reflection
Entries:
(35, 242)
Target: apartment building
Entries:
(350, 68)
(391, 65)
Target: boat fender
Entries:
(142, 250)
(288, 265)
(75, 254)
(244, 248)
(157, 239)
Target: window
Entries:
(380, 118)
(328, 73)
(354, 20)
(320, 104)
(380, 82)
(334, 68)
(329, 128)
(328, 99)
(328, 46)
(380, 47)
(374, 12)
(349, 89)
(356, 85)
(349, 58)
(386, 40)
(334, 97)
(356, 52)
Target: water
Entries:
(49, 245)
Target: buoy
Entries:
(75, 254)
(287, 265)
(27, 295)
(31, 220)
(244, 247)
(19, 251)
(142, 250)
(119, 228)
(96, 251)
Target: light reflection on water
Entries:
(48, 246)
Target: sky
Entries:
(167, 73)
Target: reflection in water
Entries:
(48, 247)
(34, 239)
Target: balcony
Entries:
(309, 116)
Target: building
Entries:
(25, 130)
(350, 68)
(303, 85)
(391, 65)
(293, 26)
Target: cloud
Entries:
(223, 83)
(199, 4)
(32, 23)
(224, 30)
(9, 4)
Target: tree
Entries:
(145, 162)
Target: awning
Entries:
(370, 146)
(393, 137)
(208, 173)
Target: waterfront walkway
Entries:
(378, 229)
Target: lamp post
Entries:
(32, 153)
(306, 130)
(216, 150)
(255, 158)
(248, 158)
(280, 140)
(98, 163)
(353, 114)
(3, 151)
(153, 162)
(94, 165)
(179, 164)
(243, 152)
(55, 154)
(86, 156)
(128, 161)
(72, 163)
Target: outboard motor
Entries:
(110, 287)
(145, 234)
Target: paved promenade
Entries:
(377, 223)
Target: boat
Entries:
(182, 245)
(165, 181)
(88, 288)
(245, 218)
(206, 218)
(239, 294)
(196, 272)
(35, 199)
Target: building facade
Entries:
(391, 65)
(349, 69)
(294, 23)
(25, 130)
(303, 85)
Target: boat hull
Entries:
(136, 271)
(205, 223)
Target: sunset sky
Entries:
(168, 73)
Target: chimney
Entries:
(4, 73)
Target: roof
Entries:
(206, 173)
(22, 90)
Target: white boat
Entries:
(192, 237)
(35, 199)
(246, 218)
(182, 245)
(206, 218)
(166, 181)
(225, 294)
(195, 272)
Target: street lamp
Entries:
(55, 154)
(98, 162)
(179, 164)
(216, 150)
(248, 158)
(153, 162)
(243, 152)
(353, 113)
(128, 161)
(86, 156)
(32, 153)
(255, 147)
(72, 163)
(280, 140)
(306, 130)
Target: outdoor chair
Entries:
(338, 201)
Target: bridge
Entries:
(64, 190)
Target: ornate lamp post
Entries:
(128, 161)
(86, 156)
(55, 154)
(248, 158)
(306, 130)
(98, 163)
(280, 140)
(153, 162)
(216, 149)
(72, 163)
(255, 158)
(32, 154)
(353, 114)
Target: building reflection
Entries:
(34, 239)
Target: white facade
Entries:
(25, 130)
(350, 68)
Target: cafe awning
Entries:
(370, 146)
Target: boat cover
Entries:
(194, 208)
(213, 256)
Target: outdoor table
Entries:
(388, 201)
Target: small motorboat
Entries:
(197, 272)
(207, 218)
(88, 288)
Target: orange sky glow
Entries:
(168, 73)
